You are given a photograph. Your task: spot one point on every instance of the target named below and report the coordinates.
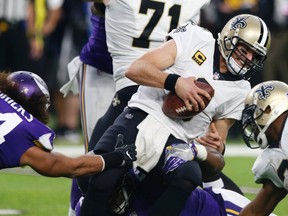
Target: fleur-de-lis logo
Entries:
(116, 101)
(264, 92)
(181, 28)
(239, 22)
(216, 76)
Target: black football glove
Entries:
(123, 154)
(128, 151)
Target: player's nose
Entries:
(250, 55)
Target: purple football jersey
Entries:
(19, 131)
(204, 202)
(201, 202)
(95, 51)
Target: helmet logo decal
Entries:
(239, 22)
(199, 57)
(264, 92)
(25, 90)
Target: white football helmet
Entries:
(251, 31)
(263, 105)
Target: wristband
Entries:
(170, 82)
(112, 159)
(201, 152)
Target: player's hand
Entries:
(177, 154)
(123, 155)
(191, 94)
(212, 139)
(128, 152)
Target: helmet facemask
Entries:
(253, 134)
(237, 62)
(251, 130)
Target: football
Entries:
(174, 107)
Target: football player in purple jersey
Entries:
(26, 140)
(201, 202)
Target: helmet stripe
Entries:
(264, 37)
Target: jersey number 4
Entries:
(8, 121)
(143, 41)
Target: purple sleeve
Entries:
(95, 51)
(20, 131)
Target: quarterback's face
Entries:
(243, 55)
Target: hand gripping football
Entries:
(174, 107)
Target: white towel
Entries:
(150, 143)
(72, 85)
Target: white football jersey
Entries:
(195, 53)
(227, 103)
(134, 26)
(272, 164)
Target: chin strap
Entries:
(261, 138)
(235, 68)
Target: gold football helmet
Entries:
(252, 32)
(263, 105)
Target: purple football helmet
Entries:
(29, 84)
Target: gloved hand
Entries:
(123, 154)
(177, 154)
(128, 151)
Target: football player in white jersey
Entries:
(133, 27)
(145, 27)
(243, 44)
(264, 123)
(187, 55)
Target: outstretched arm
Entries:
(211, 161)
(213, 164)
(54, 164)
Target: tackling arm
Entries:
(213, 164)
(54, 164)
(211, 161)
